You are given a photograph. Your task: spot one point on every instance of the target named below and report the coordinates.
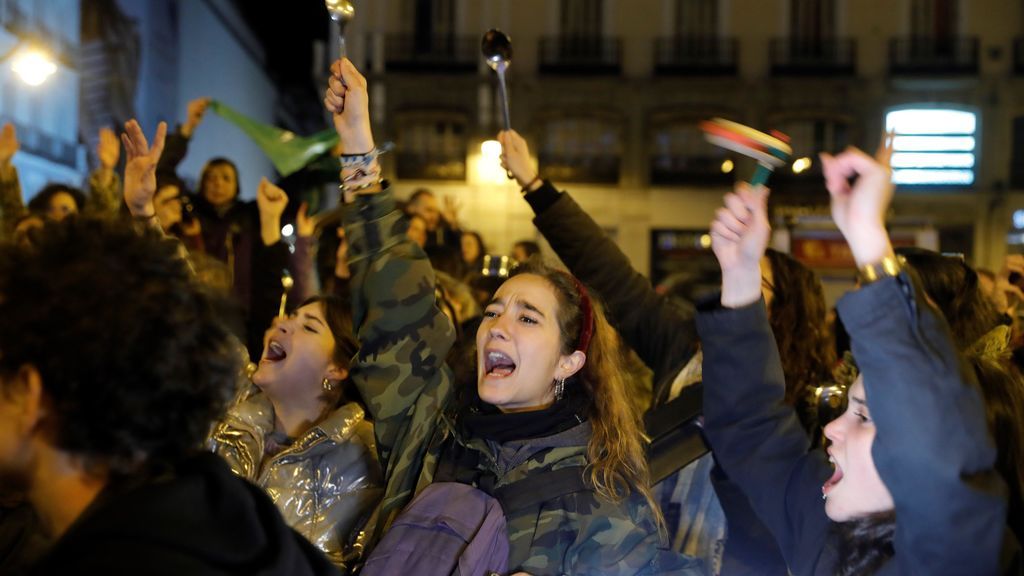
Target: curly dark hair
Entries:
(40, 203)
(131, 351)
(797, 318)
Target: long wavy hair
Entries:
(616, 451)
(797, 318)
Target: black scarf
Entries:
(482, 420)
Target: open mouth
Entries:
(498, 364)
(837, 476)
(274, 352)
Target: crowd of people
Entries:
(186, 390)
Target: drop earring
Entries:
(559, 389)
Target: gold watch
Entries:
(887, 267)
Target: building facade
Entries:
(609, 94)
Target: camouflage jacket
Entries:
(324, 484)
(401, 374)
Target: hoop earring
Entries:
(559, 389)
(327, 385)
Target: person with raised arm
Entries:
(907, 484)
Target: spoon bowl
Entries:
(342, 12)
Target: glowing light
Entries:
(933, 177)
(33, 66)
(1018, 219)
(287, 230)
(933, 146)
(491, 149)
(931, 121)
(932, 160)
(801, 165)
(705, 241)
(727, 167)
(934, 143)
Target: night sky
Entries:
(287, 31)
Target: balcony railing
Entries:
(593, 168)
(1018, 55)
(409, 53)
(933, 56)
(430, 166)
(39, 143)
(813, 57)
(695, 56)
(676, 170)
(581, 56)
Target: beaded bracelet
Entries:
(357, 160)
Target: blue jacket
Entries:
(932, 448)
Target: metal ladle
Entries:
(496, 47)
(342, 12)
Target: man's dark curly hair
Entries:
(133, 357)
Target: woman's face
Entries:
(855, 489)
(297, 355)
(167, 202)
(470, 248)
(519, 346)
(61, 206)
(220, 185)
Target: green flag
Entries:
(289, 153)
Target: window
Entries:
(933, 146)
(934, 18)
(680, 154)
(432, 145)
(696, 18)
(811, 21)
(808, 137)
(1017, 161)
(581, 149)
(582, 18)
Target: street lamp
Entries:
(30, 62)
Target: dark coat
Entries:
(931, 435)
(202, 521)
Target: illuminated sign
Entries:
(932, 146)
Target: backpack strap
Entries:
(539, 488)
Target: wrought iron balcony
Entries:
(695, 56)
(813, 57)
(933, 56)
(410, 53)
(592, 168)
(580, 55)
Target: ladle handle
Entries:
(342, 49)
(503, 91)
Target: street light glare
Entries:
(33, 66)
(491, 149)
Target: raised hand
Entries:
(196, 110)
(271, 201)
(1007, 294)
(108, 150)
(450, 212)
(347, 100)
(515, 157)
(739, 238)
(305, 225)
(140, 167)
(8, 143)
(859, 208)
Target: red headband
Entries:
(587, 328)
